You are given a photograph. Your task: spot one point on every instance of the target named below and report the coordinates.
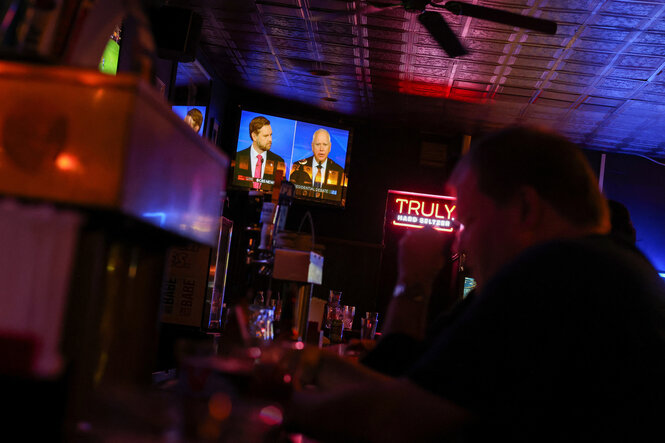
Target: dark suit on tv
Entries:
(243, 168)
(303, 174)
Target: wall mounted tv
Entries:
(312, 156)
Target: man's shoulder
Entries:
(275, 157)
(333, 165)
(584, 266)
(304, 161)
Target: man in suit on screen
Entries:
(318, 171)
(256, 166)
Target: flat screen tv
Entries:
(312, 156)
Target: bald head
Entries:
(321, 145)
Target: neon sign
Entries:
(414, 210)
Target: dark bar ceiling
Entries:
(599, 80)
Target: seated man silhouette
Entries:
(564, 339)
(256, 166)
(318, 170)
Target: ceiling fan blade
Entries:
(444, 36)
(499, 16)
(365, 10)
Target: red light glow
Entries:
(271, 415)
(67, 162)
(219, 406)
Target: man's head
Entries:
(321, 145)
(194, 118)
(261, 133)
(521, 187)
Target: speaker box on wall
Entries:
(177, 32)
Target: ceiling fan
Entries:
(438, 28)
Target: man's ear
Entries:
(531, 210)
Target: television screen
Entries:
(108, 64)
(314, 157)
(183, 110)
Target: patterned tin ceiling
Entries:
(599, 80)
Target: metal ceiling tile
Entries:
(336, 28)
(579, 68)
(396, 24)
(562, 96)
(634, 74)
(590, 57)
(270, 11)
(654, 88)
(630, 8)
(508, 98)
(287, 33)
(430, 72)
(648, 49)
(438, 62)
(330, 5)
(608, 34)
(522, 92)
(572, 78)
(432, 51)
(476, 67)
(658, 25)
(546, 40)
(290, 43)
(640, 61)
(337, 39)
(490, 34)
(612, 93)
(604, 101)
(539, 51)
(540, 64)
(524, 83)
(651, 38)
(525, 73)
(614, 21)
(612, 83)
(473, 76)
(554, 86)
(565, 16)
(385, 56)
(587, 44)
(640, 107)
(475, 45)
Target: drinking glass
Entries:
(333, 307)
(368, 325)
(261, 321)
(349, 313)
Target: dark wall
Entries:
(639, 184)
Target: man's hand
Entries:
(422, 254)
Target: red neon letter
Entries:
(437, 212)
(417, 206)
(401, 202)
(430, 212)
